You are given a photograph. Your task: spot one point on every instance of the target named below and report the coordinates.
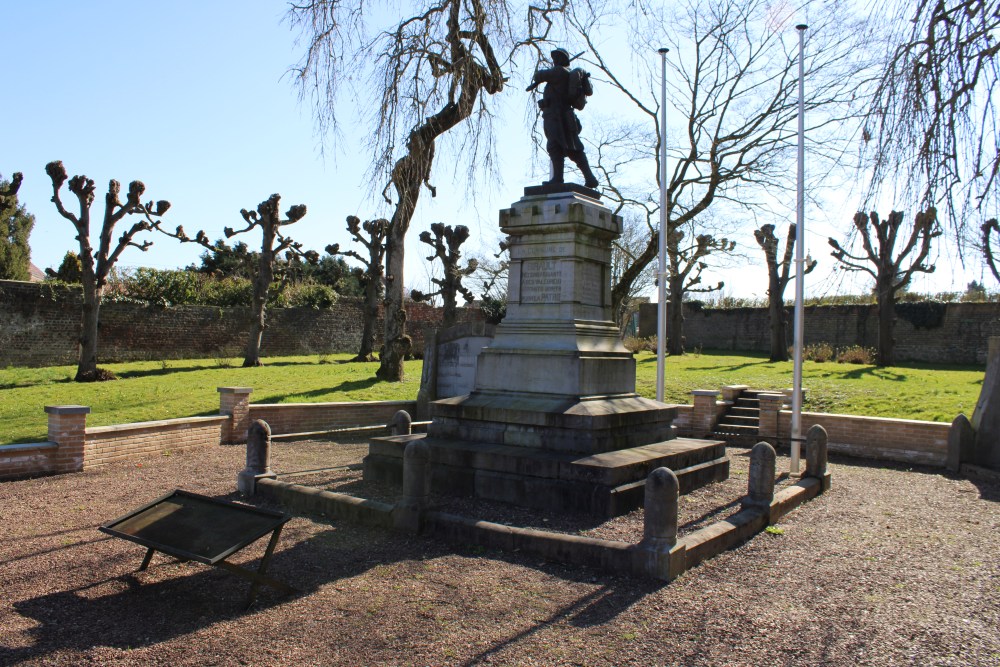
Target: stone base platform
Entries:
(606, 484)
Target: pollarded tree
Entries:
(434, 71)
(778, 276)
(15, 228)
(447, 241)
(371, 278)
(878, 239)
(684, 269)
(267, 218)
(96, 264)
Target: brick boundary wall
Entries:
(961, 337)
(72, 446)
(40, 326)
(308, 417)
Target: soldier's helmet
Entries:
(560, 56)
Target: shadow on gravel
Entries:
(122, 608)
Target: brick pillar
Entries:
(234, 402)
(703, 415)
(68, 429)
(770, 409)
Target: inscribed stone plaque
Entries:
(541, 281)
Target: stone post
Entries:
(816, 455)
(760, 486)
(68, 429)
(961, 443)
(703, 415)
(401, 424)
(770, 417)
(258, 458)
(658, 555)
(234, 402)
(408, 513)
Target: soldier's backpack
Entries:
(580, 88)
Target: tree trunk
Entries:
(86, 369)
(675, 316)
(450, 309)
(369, 319)
(778, 317)
(396, 343)
(886, 298)
(261, 287)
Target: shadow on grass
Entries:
(345, 386)
(170, 370)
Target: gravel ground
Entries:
(892, 566)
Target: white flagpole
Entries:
(800, 265)
(661, 270)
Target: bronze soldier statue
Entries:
(565, 89)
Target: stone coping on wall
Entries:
(332, 404)
(158, 424)
(27, 447)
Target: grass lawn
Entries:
(180, 388)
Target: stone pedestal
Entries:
(555, 391)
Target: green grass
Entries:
(909, 391)
(154, 390)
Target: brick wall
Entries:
(40, 326)
(107, 444)
(309, 417)
(961, 337)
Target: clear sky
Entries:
(194, 99)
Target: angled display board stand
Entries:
(193, 527)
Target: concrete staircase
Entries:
(740, 425)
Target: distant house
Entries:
(35, 273)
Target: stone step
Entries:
(736, 429)
(739, 420)
(737, 440)
(744, 412)
(608, 484)
(747, 403)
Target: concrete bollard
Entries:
(961, 443)
(760, 487)
(401, 423)
(660, 508)
(258, 458)
(658, 554)
(816, 452)
(408, 512)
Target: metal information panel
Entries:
(189, 526)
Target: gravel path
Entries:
(892, 566)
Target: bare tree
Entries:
(447, 241)
(685, 266)
(624, 251)
(732, 78)
(878, 239)
(778, 276)
(431, 73)
(96, 264)
(267, 218)
(490, 282)
(931, 129)
(371, 278)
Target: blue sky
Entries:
(195, 100)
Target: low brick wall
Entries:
(107, 444)
(27, 459)
(904, 440)
(72, 446)
(309, 417)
